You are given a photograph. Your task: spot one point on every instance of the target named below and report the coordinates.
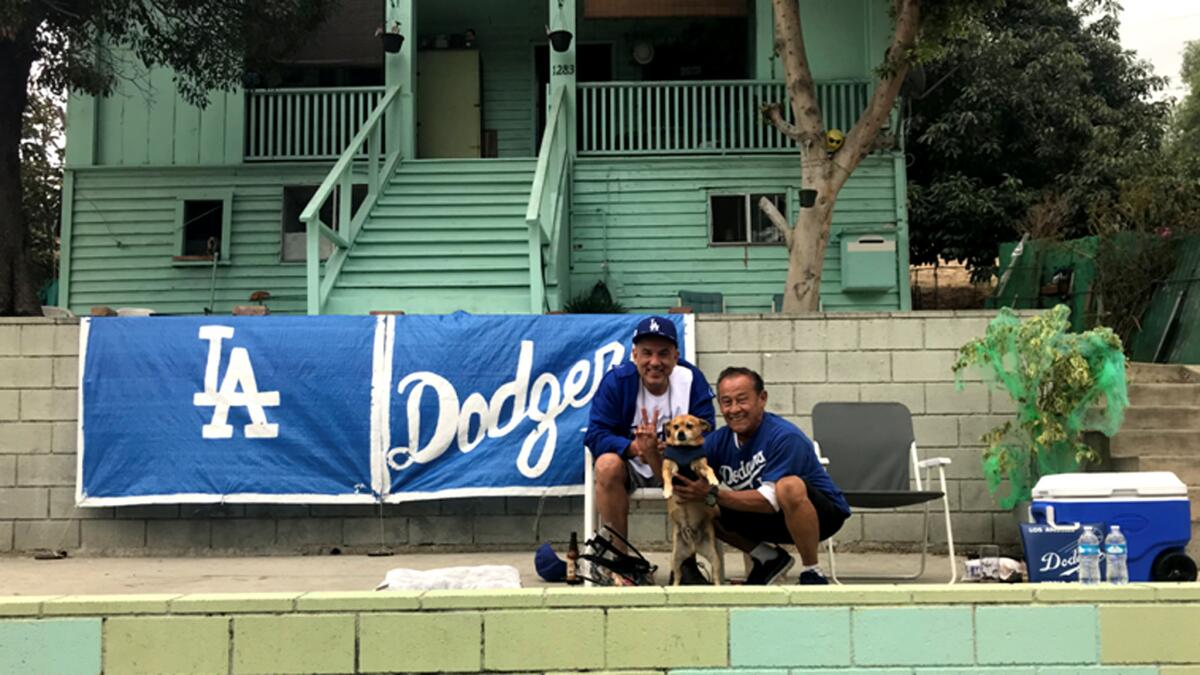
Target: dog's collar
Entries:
(684, 455)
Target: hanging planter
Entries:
(808, 197)
(392, 39)
(560, 40)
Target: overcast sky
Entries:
(1157, 31)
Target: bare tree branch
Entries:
(861, 139)
(789, 45)
(777, 219)
(773, 113)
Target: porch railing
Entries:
(298, 124)
(546, 215)
(700, 117)
(339, 183)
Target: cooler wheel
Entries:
(1173, 566)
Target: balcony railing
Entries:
(305, 124)
(699, 117)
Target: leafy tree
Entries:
(920, 31)
(1033, 113)
(41, 179)
(1186, 138)
(208, 44)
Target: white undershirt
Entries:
(661, 405)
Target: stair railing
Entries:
(548, 208)
(339, 184)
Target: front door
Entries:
(594, 63)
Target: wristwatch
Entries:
(710, 499)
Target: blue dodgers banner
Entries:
(200, 409)
(497, 404)
(340, 409)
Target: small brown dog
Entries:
(692, 530)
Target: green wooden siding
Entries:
(123, 238)
(642, 226)
(147, 123)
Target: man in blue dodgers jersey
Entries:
(629, 408)
(778, 490)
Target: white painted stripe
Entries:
(559, 491)
(385, 411)
(85, 325)
(379, 386)
(239, 498)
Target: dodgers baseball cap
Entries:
(549, 566)
(655, 326)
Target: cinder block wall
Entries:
(903, 356)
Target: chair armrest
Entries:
(933, 461)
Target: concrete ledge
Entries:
(877, 629)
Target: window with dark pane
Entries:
(728, 218)
(202, 219)
(762, 230)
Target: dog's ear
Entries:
(705, 426)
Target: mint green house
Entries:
(480, 168)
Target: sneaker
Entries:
(762, 574)
(812, 578)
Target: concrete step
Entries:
(1137, 442)
(427, 301)
(1186, 468)
(1147, 373)
(1162, 417)
(1164, 394)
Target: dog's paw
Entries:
(667, 491)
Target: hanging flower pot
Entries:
(392, 39)
(392, 42)
(560, 40)
(808, 197)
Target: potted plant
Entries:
(1055, 378)
(392, 39)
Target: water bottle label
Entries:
(1114, 549)
(1089, 549)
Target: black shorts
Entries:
(771, 526)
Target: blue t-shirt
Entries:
(779, 448)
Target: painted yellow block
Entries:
(1149, 633)
(166, 645)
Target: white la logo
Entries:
(239, 373)
(653, 326)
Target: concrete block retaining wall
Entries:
(901, 356)
(1141, 629)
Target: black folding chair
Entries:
(870, 448)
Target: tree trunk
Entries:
(810, 237)
(17, 293)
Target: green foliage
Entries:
(1185, 142)
(41, 179)
(1139, 229)
(1032, 102)
(595, 301)
(1054, 377)
(209, 45)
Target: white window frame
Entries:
(226, 199)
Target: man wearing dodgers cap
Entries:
(631, 404)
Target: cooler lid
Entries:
(1131, 484)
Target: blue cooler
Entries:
(1151, 507)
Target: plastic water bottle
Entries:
(1116, 554)
(1087, 551)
